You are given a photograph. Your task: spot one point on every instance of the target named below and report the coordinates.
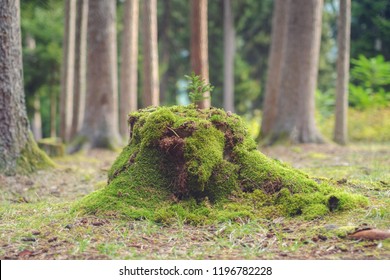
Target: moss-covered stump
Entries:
(52, 146)
(202, 166)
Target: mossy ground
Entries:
(201, 166)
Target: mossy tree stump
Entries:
(202, 165)
(52, 147)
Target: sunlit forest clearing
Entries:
(195, 129)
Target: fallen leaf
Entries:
(25, 253)
(370, 234)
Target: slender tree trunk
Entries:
(199, 45)
(129, 65)
(100, 124)
(229, 50)
(80, 66)
(272, 88)
(165, 28)
(36, 125)
(53, 114)
(18, 150)
(295, 118)
(150, 76)
(343, 41)
(67, 76)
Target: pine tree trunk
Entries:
(272, 88)
(129, 64)
(164, 31)
(343, 41)
(18, 150)
(199, 45)
(150, 76)
(80, 66)
(67, 76)
(229, 50)
(53, 113)
(100, 124)
(36, 125)
(295, 118)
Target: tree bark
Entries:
(53, 114)
(36, 125)
(272, 88)
(100, 124)
(150, 76)
(199, 45)
(229, 50)
(295, 118)
(79, 66)
(343, 41)
(165, 29)
(67, 76)
(129, 64)
(18, 149)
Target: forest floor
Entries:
(35, 221)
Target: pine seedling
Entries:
(197, 87)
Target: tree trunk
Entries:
(79, 66)
(53, 113)
(100, 125)
(67, 76)
(199, 45)
(295, 118)
(150, 76)
(165, 29)
(18, 150)
(229, 50)
(36, 125)
(272, 88)
(343, 41)
(129, 74)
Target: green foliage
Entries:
(197, 87)
(370, 35)
(370, 125)
(371, 72)
(42, 35)
(370, 82)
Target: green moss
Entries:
(32, 158)
(203, 152)
(201, 166)
(52, 147)
(315, 211)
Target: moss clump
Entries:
(202, 166)
(32, 158)
(52, 146)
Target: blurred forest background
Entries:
(43, 23)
